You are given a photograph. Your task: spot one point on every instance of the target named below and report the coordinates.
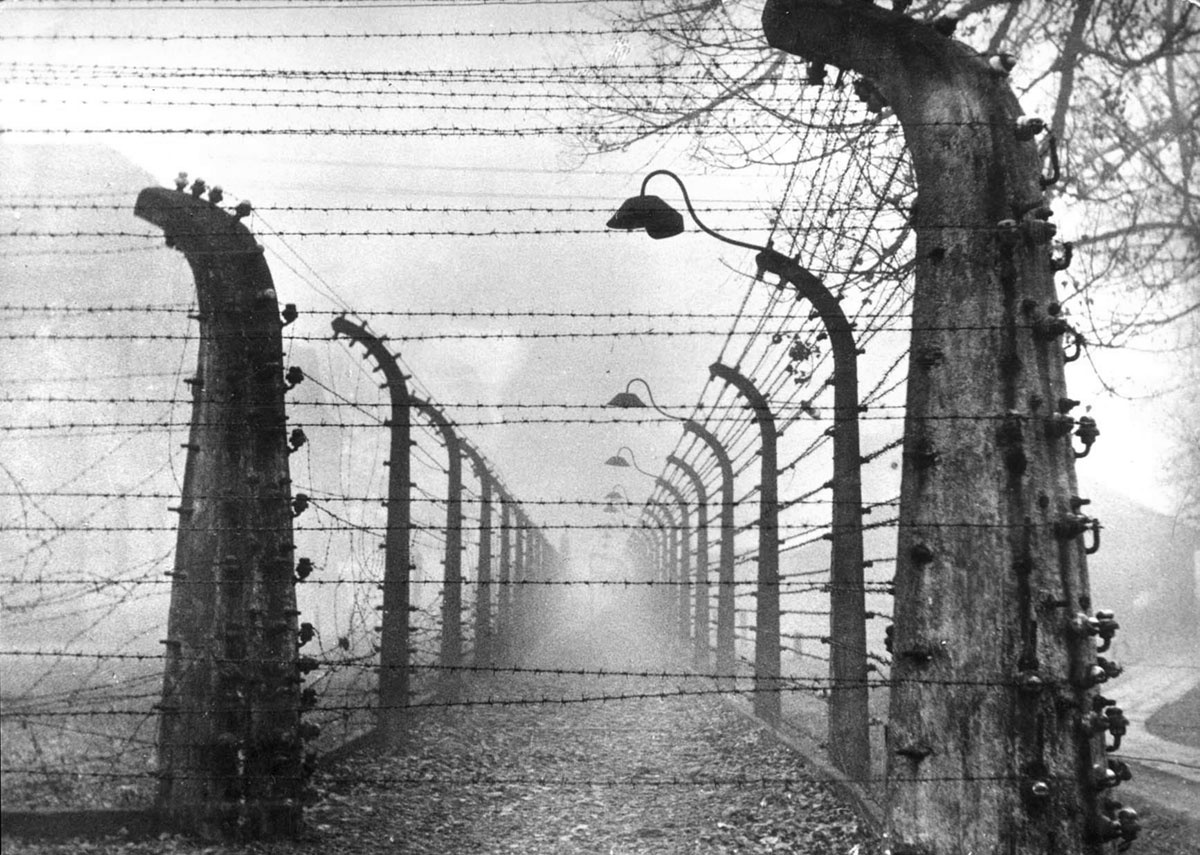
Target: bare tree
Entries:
(1117, 83)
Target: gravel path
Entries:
(682, 774)
(651, 775)
(520, 763)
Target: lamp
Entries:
(651, 213)
(629, 401)
(725, 572)
(616, 494)
(619, 461)
(626, 400)
(660, 220)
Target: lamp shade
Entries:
(626, 401)
(651, 213)
(616, 460)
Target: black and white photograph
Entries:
(600, 427)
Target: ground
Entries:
(653, 775)
(565, 760)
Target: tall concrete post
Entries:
(394, 665)
(725, 658)
(451, 649)
(483, 578)
(700, 627)
(766, 624)
(683, 561)
(230, 749)
(996, 733)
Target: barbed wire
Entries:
(501, 334)
(30, 308)
(465, 582)
(430, 131)
(101, 427)
(439, 527)
(764, 685)
(321, 499)
(196, 38)
(784, 342)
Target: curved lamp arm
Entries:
(692, 211)
(613, 461)
(650, 395)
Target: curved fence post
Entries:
(230, 748)
(394, 666)
(766, 624)
(683, 559)
(519, 584)
(849, 719)
(504, 596)
(700, 627)
(990, 530)
(668, 553)
(725, 565)
(451, 653)
(483, 595)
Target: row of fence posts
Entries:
(234, 754)
(233, 629)
(849, 722)
(528, 563)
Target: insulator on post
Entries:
(1107, 627)
(294, 376)
(304, 568)
(1060, 257)
(1038, 790)
(1029, 127)
(1071, 526)
(1111, 669)
(1103, 777)
(1087, 433)
(1117, 725)
(299, 504)
(1084, 625)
